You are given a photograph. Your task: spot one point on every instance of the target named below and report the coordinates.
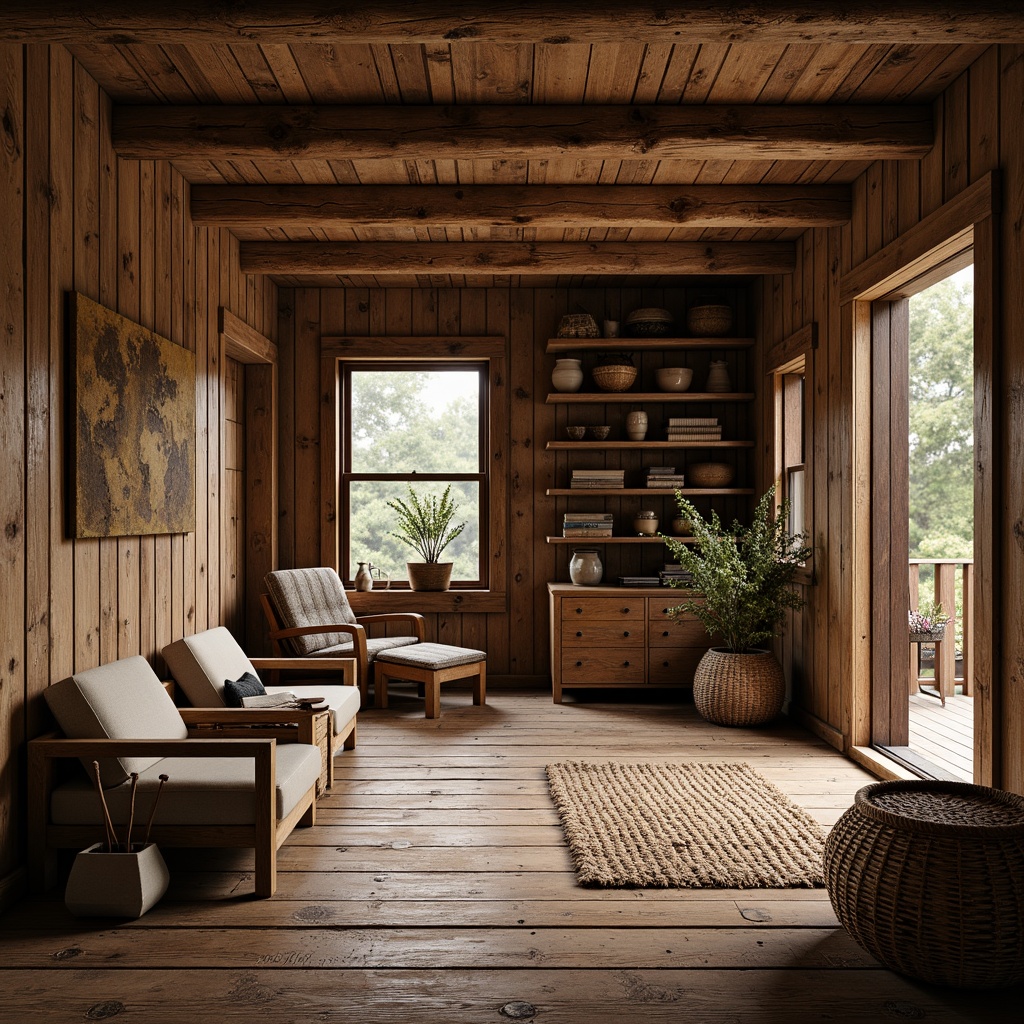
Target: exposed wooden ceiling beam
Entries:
(527, 258)
(523, 132)
(546, 206)
(508, 21)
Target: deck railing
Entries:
(954, 590)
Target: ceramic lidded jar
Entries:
(567, 376)
(645, 523)
(585, 568)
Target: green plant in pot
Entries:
(740, 589)
(425, 524)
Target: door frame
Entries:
(925, 254)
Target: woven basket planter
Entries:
(429, 575)
(929, 878)
(578, 325)
(738, 689)
(929, 638)
(709, 321)
(619, 377)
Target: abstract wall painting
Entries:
(132, 421)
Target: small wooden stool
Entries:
(431, 665)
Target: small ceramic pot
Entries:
(611, 328)
(718, 377)
(585, 568)
(576, 433)
(645, 523)
(599, 433)
(681, 527)
(567, 376)
(636, 426)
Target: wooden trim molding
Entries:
(788, 349)
(388, 259)
(243, 342)
(443, 22)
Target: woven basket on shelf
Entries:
(929, 878)
(619, 377)
(738, 689)
(710, 474)
(578, 325)
(929, 638)
(709, 321)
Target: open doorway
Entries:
(941, 526)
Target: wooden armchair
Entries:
(309, 616)
(249, 791)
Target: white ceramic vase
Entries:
(567, 375)
(105, 884)
(636, 426)
(585, 568)
(362, 581)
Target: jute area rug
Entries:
(689, 826)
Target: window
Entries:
(419, 424)
(790, 372)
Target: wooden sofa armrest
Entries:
(414, 618)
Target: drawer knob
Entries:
(579, 611)
(579, 632)
(579, 664)
(625, 632)
(664, 664)
(625, 664)
(665, 633)
(625, 611)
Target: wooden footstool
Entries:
(431, 665)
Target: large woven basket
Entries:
(929, 878)
(429, 575)
(614, 378)
(738, 689)
(709, 321)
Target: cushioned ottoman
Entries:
(432, 665)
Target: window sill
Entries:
(427, 601)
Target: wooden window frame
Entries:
(391, 349)
(346, 368)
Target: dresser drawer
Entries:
(587, 632)
(603, 665)
(685, 631)
(673, 667)
(580, 609)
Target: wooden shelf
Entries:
(612, 446)
(626, 397)
(587, 541)
(642, 344)
(637, 492)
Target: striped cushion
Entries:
(432, 656)
(310, 597)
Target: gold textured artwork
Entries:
(133, 427)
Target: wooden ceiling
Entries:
(486, 143)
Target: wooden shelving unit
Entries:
(583, 542)
(559, 345)
(611, 446)
(638, 492)
(633, 397)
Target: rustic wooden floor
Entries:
(436, 888)
(944, 735)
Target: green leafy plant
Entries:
(741, 578)
(425, 524)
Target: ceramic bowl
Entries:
(681, 527)
(674, 378)
(599, 433)
(576, 433)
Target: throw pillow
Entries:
(236, 689)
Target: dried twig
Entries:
(152, 813)
(108, 825)
(131, 814)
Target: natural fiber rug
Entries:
(689, 826)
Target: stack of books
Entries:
(664, 476)
(639, 581)
(694, 429)
(587, 524)
(672, 573)
(597, 478)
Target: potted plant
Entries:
(425, 525)
(927, 623)
(740, 583)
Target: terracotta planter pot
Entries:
(738, 689)
(429, 575)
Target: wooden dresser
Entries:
(621, 637)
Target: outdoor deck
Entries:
(437, 887)
(944, 735)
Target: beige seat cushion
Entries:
(121, 700)
(342, 701)
(432, 656)
(374, 646)
(310, 597)
(200, 790)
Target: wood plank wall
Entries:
(517, 641)
(979, 121)
(120, 233)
